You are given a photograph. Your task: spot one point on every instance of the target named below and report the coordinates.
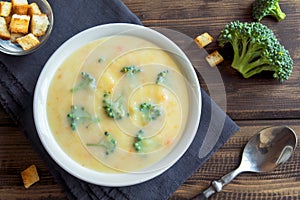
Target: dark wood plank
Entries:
(16, 154)
(4, 118)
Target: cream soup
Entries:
(118, 104)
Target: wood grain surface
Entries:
(252, 103)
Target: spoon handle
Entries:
(216, 186)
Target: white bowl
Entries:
(40, 105)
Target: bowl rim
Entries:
(40, 113)
(42, 41)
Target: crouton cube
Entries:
(4, 33)
(30, 176)
(14, 36)
(214, 58)
(20, 7)
(39, 24)
(203, 40)
(33, 9)
(5, 8)
(19, 24)
(8, 20)
(28, 41)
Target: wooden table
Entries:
(252, 103)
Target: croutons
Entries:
(214, 58)
(39, 24)
(20, 7)
(203, 40)
(28, 41)
(4, 33)
(33, 9)
(8, 19)
(30, 176)
(5, 8)
(22, 23)
(19, 24)
(14, 36)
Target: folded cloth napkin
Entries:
(19, 76)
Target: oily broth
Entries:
(115, 53)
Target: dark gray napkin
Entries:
(19, 76)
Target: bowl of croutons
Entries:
(25, 25)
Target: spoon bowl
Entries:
(265, 151)
(268, 149)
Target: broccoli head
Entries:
(86, 80)
(262, 8)
(256, 49)
(149, 111)
(114, 109)
(79, 115)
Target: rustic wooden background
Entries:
(252, 103)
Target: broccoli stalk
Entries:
(108, 142)
(242, 61)
(79, 115)
(161, 77)
(138, 141)
(149, 111)
(256, 49)
(114, 109)
(262, 8)
(86, 80)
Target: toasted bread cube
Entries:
(4, 33)
(20, 7)
(33, 9)
(204, 40)
(14, 36)
(39, 24)
(8, 20)
(5, 8)
(30, 176)
(28, 41)
(19, 24)
(214, 58)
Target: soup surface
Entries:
(118, 104)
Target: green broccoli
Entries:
(138, 141)
(256, 49)
(86, 80)
(144, 144)
(130, 69)
(114, 109)
(161, 77)
(262, 8)
(149, 111)
(108, 142)
(79, 115)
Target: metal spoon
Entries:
(265, 151)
